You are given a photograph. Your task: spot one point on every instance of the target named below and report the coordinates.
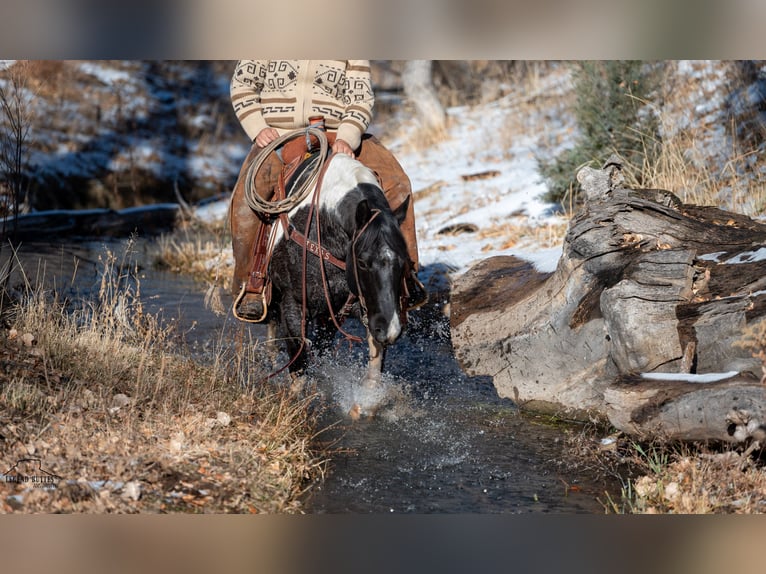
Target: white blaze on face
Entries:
(394, 324)
(394, 329)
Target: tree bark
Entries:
(645, 285)
(419, 89)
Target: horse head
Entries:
(375, 266)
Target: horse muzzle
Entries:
(385, 331)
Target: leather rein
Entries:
(324, 255)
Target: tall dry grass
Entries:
(735, 183)
(201, 252)
(101, 392)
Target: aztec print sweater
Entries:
(283, 94)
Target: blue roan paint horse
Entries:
(360, 233)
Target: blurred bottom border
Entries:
(379, 543)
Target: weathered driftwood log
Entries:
(146, 220)
(645, 285)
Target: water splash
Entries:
(341, 380)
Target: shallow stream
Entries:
(445, 443)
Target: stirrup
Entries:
(238, 300)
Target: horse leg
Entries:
(371, 382)
(296, 346)
(375, 364)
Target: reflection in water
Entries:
(444, 442)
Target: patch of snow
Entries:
(714, 257)
(748, 257)
(510, 192)
(544, 260)
(744, 257)
(690, 378)
(105, 74)
(212, 211)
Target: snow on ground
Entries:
(744, 257)
(482, 175)
(690, 378)
(106, 74)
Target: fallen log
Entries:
(650, 320)
(146, 220)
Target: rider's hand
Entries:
(266, 136)
(340, 146)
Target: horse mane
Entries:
(381, 229)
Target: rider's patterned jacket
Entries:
(283, 94)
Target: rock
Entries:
(131, 491)
(176, 442)
(119, 401)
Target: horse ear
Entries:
(401, 212)
(363, 213)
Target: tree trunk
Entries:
(648, 321)
(419, 89)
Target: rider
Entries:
(274, 97)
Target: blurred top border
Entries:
(395, 29)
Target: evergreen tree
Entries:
(612, 117)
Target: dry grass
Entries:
(736, 183)
(199, 251)
(522, 233)
(103, 397)
(690, 479)
(671, 478)
(703, 483)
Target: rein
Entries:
(281, 206)
(356, 237)
(323, 272)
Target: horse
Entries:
(340, 251)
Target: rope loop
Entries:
(256, 202)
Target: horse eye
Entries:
(363, 265)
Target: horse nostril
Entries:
(385, 331)
(380, 334)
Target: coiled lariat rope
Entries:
(277, 206)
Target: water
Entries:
(442, 443)
(445, 444)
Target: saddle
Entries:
(293, 155)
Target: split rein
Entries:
(280, 208)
